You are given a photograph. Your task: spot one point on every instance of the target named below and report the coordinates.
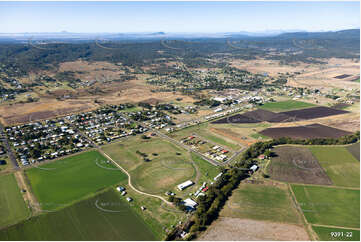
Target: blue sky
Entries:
(85, 17)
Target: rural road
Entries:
(8, 148)
(130, 182)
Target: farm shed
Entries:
(184, 185)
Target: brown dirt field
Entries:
(297, 165)
(237, 118)
(45, 109)
(304, 132)
(235, 229)
(312, 113)
(101, 71)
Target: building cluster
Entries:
(50, 139)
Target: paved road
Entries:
(8, 148)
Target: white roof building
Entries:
(254, 168)
(190, 203)
(184, 185)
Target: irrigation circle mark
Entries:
(106, 210)
(174, 168)
(107, 168)
(300, 164)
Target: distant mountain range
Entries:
(162, 35)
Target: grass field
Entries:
(354, 150)
(262, 202)
(158, 216)
(324, 234)
(67, 180)
(329, 206)
(169, 165)
(286, 105)
(339, 164)
(12, 206)
(103, 217)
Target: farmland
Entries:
(91, 219)
(336, 234)
(329, 206)
(315, 112)
(339, 164)
(167, 166)
(297, 165)
(262, 202)
(304, 132)
(85, 173)
(12, 206)
(355, 150)
(285, 105)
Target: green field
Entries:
(339, 164)
(286, 105)
(169, 165)
(64, 181)
(329, 206)
(158, 216)
(262, 202)
(328, 234)
(103, 217)
(354, 150)
(208, 171)
(12, 206)
(259, 136)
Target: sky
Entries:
(201, 17)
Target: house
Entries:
(120, 189)
(129, 199)
(184, 185)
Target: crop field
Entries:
(103, 217)
(166, 167)
(297, 165)
(64, 181)
(329, 206)
(355, 150)
(340, 165)
(262, 202)
(286, 105)
(12, 206)
(315, 112)
(336, 234)
(305, 132)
